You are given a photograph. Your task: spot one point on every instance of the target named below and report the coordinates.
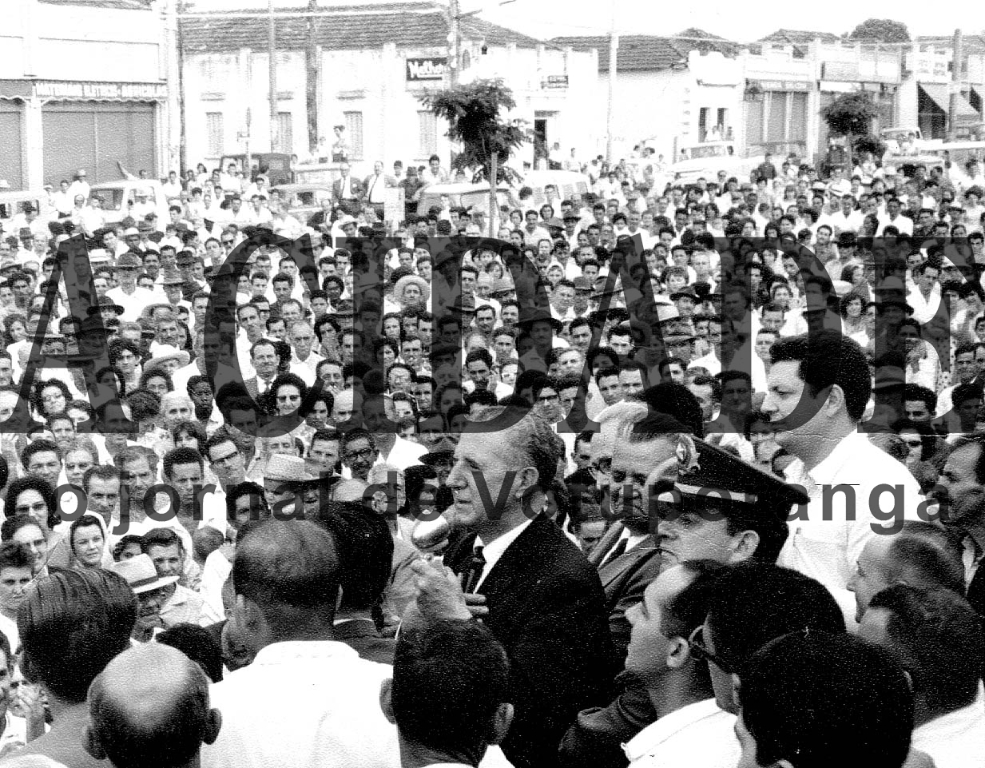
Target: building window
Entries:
(354, 130)
(427, 143)
(214, 130)
(285, 132)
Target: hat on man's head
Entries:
(172, 277)
(131, 232)
(140, 573)
(705, 471)
(105, 302)
(144, 226)
(128, 261)
(555, 222)
(164, 353)
(24, 232)
(687, 292)
(286, 469)
(531, 315)
(29, 207)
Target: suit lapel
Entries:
(605, 544)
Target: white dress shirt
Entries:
(826, 547)
(304, 703)
(700, 734)
(955, 740)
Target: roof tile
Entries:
(410, 25)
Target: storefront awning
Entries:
(937, 93)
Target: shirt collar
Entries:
(849, 448)
(494, 550)
(656, 733)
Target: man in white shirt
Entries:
(894, 218)
(286, 578)
(856, 490)
(127, 294)
(690, 729)
(933, 633)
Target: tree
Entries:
(473, 115)
(881, 30)
(851, 116)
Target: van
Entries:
(12, 203)
(462, 195)
(117, 196)
(567, 183)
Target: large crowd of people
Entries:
(671, 476)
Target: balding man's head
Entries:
(150, 708)
(286, 577)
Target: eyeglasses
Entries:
(700, 651)
(365, 453)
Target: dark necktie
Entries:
(617, 551)
(473, 572)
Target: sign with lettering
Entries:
(421, 70)
(555, 81)
(64, 89)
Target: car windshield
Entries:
(706, 150)
(111, 199)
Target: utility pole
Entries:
(952, 112)
(454, 42)
(311, 76)
(613, 71)
(272, 56)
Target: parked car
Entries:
(12, 203)
(118, 197)
(304, 199)
(276, 166)
(567, 183)
(461, 194)
(706, 159)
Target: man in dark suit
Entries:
(717, 507)
(530, 585)
(263, 356)
(961, 493)
(347, 191)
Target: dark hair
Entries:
(181, 456)
(915, 392)
(32, 483)
(14, 555)
(818, 699)
(755, 602)
(365, 550)
(937, 637)
(160, 537)
(85, 521)
(827, 358)
(72, 623)
(449, 679)
(246, 488)
(198, 644)
(193, 429)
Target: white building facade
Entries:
(85, 84)
(369, 72)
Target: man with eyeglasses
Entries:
(226, 460)
(359, 453)
(677, 499)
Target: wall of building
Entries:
(79, 60)
(371, 88)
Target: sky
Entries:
(739, 21)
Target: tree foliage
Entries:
(473, 114)
(881, 30)
(850, 114)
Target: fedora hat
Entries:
(141, 574)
